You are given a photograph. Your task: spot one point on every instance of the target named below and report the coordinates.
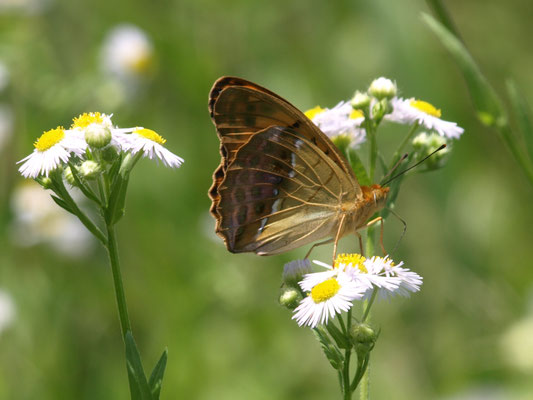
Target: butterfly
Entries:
(281, 183)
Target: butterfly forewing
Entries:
(280, 192)
(281, 181)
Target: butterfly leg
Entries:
(372, 222)
(360, 238)
(337, 237)
(318, 244)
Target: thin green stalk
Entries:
(373, 149)
(85, 220)
(404, 143)
(112, 251)
(347, 355)
(369, 305)
(364, 388)
(364, 382)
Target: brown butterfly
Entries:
(281, 183)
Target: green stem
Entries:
(369, 305)
(404, 143)
(112, 250)
(373, 149)
(347, 355)
(364, 388)
(85, 220)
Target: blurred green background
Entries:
(467, 334)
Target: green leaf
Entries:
(338, 336)
(332, 353)
(523, 114)
(358, 167)
(117, 199)
(156, 378)
(486, 102)
(138, 385)
(61, 203)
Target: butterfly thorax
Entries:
(373, 200)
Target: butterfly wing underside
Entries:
(281, 181)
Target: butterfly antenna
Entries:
(413, 166)
(403, 232)
(395, 166)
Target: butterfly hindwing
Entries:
(280, 192)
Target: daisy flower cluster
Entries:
(349, 121)
(90, 139)
(352, 277)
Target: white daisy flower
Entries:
(98, 130)
(294, 271)
(376, 272)
(327, 298)
(342, 121)
(151, 145)
(51, 149)
(127, 52)
(391, 279)
(409, 111)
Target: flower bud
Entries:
(294, 271)
(109, 154)
(382, 88)
(69, 177)
(424, 144)
(90, 169)
(363, 338)
(97, 135)
(44, 181)
(360, 100)
(290, 298)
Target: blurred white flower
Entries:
(52, 148)
(37, 219)
(23, 6)
(409, 111)
(6, 124)
(516, 345)
(127, 52)
(4, 73)
(7, 310)
(342, 121)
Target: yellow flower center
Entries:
(49, 138)
(325, 290)
(141, 64)
(426, 107)
(151, 135)
(86, 119)
(355, 114)
(352, 258)
(313, 112)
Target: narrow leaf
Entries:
(337, 335)
(486, 103)
(135, 370)
(156, 378)
(358, 167)
(523, 114)
(61, 203)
